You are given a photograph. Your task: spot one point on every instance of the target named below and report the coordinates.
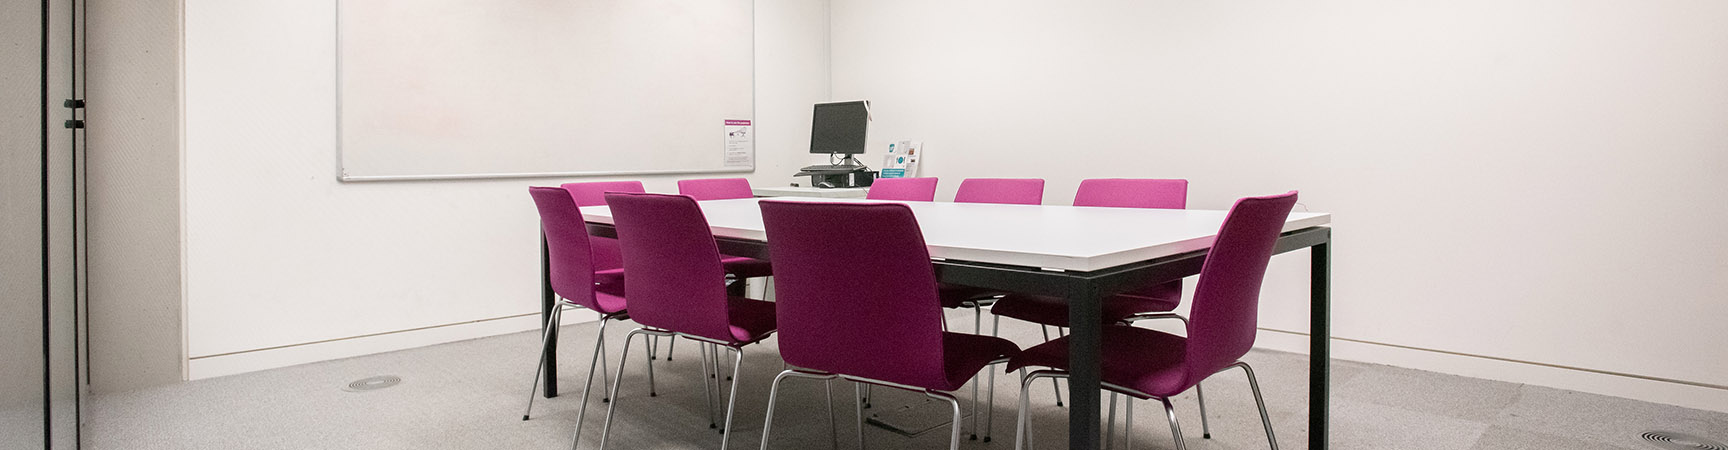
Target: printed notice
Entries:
(740, 144)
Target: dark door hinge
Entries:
(75, 124)
(73, 103)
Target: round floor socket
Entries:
(1681, 441)
(373, 383)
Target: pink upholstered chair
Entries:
(716, 188)
(903, 189)
(594, 194)
(727, 189)
(876, 320)
(606, 253)
(1145, 364)
(1149, 302)
(677, 287)
(1009, 191)
(575, 279)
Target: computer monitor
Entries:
(840, 127)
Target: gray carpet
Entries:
(470, 394)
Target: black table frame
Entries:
(1085, 291)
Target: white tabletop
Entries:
(806, 191)
(1045, 236)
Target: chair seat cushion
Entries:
(966, 354)
(752, 320)
(608, 292)
(745, 267)
(609, 281)
(956, 296)
(1149, 362)
(1054, 310)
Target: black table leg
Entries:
(1319, 342)
(1085, 338)
(548, 301)
(737, 288)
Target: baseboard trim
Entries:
(1691, 394)
(250, 360)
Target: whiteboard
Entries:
(442, 89)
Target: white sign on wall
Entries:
(740, 145)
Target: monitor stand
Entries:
(846, 164)
(848, 173)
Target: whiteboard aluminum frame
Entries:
(343, 176)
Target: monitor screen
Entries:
(840, 127)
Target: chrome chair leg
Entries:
(858, 395)
(612, 409)
(1128, 426)
(649, 347)
(833, 431)
(707, 388)
(1205, 428)
(773, 393)
(1265, 420)
(1022, 430)
(732, 404)
(588, 386)
(718, 369)
(654, 348)
(673, 342)
(954, 438)
(708, 350)
(1110, 424)
(719, 388)
(605, 374)
(1053, 385)
(867, 393)
(545, 345)
(977, 328)
(1175, 429)
(990, 411)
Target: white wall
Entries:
(287, 265)
(1539, 181)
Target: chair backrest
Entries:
(568, 251)
(593, 193)
(1013, 191)
(875, 316)
(1132, 193)
(1137, 193)
(716, 188)
(1227, 296)
(673, 268)
(605, 250)
(903, 189)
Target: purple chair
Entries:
(678, 287)
(716, 188)
(575, 279)
(606, 253)
(593, 193)
(1008, 191)
(903, 189)
(877, 326)
(1149, 302)
(1145, 363)
(727, 189)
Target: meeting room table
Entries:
(1083, 254)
